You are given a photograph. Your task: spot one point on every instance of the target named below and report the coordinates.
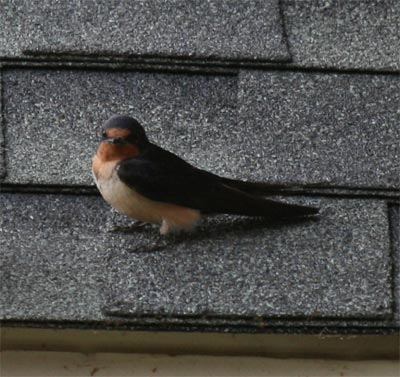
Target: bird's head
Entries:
(122, 137)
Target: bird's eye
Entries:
(104, 135)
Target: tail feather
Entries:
(237, 202)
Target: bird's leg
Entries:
(167, 237)
(137, 225)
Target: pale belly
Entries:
(130, 203)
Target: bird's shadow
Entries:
(213, 227)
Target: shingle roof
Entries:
(248, 29)
(359, 35)
(168, 104)
(240, 268)
(305, 119)
(290, 92)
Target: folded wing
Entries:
(175, 181)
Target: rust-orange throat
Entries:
(115, 146)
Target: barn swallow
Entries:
(149, 184)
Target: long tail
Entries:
(231, 200)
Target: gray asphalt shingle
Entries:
(59, 261)
(338, 266)
(245, 29)
(334, 34)
(344, 34)
(186, 113)
(339, 129)
(52, 256)
(286, 127)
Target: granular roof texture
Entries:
(223, 29)
(298, 93)
(344, 34)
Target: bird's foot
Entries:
(136, 226)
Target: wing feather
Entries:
(167, 178)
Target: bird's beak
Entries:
(115, 140)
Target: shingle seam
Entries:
(107, 325)
(3, 167)
(200, 321)
(116, 67)
(333, 192)
(111, 62)
(394, 231)
(285, 34)
(109, 55)
(259, 322)
(263, 323)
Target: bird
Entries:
(152, 185)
